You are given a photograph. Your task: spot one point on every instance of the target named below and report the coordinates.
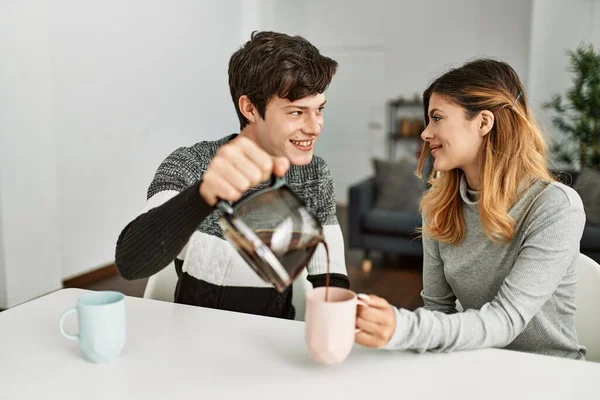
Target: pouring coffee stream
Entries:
(274, 232)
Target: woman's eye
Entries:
(435, 118)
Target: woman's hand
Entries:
(377, 322)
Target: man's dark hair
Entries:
(275, 64)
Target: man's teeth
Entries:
(305, 143)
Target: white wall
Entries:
(419, 39)
(133, 81)
(94, 95)
(28, 206)
(557, 26)
(3, 282)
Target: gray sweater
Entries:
(518, 295)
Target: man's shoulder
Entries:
(320, 164)
(201, 152)
(184, 166)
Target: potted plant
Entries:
(577, 115)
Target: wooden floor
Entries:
(397, 279)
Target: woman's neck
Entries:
(473, 177)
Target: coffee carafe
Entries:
(274, 231)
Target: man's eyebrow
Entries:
(303, 107)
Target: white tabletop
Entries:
(182, 352)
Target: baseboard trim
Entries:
(86, 279)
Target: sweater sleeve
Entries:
(437, 294)
(550, 246)
(153, 240)
(327, 216)
(174, 210)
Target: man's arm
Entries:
(173, 211)
(182, 195)
(151, 241)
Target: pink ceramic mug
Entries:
(331, 325)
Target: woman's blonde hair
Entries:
(512, 153)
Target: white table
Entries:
(182, 352)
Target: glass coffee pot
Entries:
(274, 231)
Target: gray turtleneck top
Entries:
(518, 295)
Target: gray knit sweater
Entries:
(518, 295)
(177, 226)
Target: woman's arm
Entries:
(437, 294)
(550, 246)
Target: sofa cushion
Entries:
(591, 237)
(397, 187)
(588, 187)
(391, 222)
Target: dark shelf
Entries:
(405, 103)
(394, 136)
(410, 124)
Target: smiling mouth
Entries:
(436, 147)
(302, 143)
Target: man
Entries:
(277, 84)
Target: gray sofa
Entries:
(394, 231)
(373, 229)
(590, 241)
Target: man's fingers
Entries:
(214, 188)
(281, 166)
(258, 156)
(231, 174)
(238, 166)
(249, 169)
(226, 191)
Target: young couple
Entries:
(500, 235)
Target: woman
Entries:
(500, 235)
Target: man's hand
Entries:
(238, 166)
(377, 322)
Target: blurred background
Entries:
(95, 94)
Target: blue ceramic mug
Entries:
(101, 320)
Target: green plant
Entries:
(578, 116)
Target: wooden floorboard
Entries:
(90, 278)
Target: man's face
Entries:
(291, 128)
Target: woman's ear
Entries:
(486, 122)
(247, 108)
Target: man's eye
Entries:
(296, 113)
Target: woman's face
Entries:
(454, 140)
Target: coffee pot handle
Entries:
(278, 181)
(226, 208)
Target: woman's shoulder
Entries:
(560, 196)
(552, 200)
